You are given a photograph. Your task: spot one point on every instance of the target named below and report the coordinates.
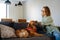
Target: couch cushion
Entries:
(21, 25)
(31, 38)
(58, 28)
(6, 20)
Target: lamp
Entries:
(7, 2)
(19, 3)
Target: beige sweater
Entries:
(47, 20)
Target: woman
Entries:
(47, 21)
(46, 16)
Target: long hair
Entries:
(48, 13)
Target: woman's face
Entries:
(43, 12)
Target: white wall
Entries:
(15, 12)
(32, 9)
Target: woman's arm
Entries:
(47, 21)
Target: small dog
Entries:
(22, 33)
(32, 29)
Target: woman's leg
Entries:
(57, 35)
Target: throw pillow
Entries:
(7, 32)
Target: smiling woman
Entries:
(2, 10)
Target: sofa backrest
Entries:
(16, 26)
(7, 23)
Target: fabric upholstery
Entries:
(7, 23)
(31, 38)
(21, 25)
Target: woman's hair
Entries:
(48, 13)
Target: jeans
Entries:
(57, 35)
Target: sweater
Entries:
(47, 20)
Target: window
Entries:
(2, 10)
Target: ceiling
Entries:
(19, 0)
(13, 0)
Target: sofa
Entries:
(23, 25)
